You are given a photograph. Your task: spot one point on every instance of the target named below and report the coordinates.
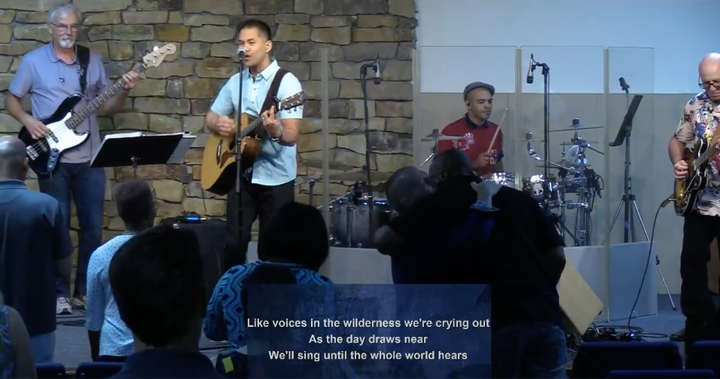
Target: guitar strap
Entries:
(270, 100)
(83, 55)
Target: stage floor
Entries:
(73, 347)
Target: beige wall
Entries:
(654, 122)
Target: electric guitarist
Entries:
(49, 75)
(270, 181)
(699, 123)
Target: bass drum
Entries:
(350, 221)
(534, 186)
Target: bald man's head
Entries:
(406, 186)
(709, 72)
(13, 161)
(450, 164)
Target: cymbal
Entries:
(437, 136)
(359, 176)
(562, 164)
(573, 128)
(332, 165)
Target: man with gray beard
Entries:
(49, 75)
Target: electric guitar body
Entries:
(47, 151)
(219, 169)
(686, 191)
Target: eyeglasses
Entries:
(64, 28)
(707, 85)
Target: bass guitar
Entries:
(687, 190)
(44, 153)
(218, 171)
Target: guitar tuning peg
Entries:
(155, 48)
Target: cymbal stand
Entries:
(433, 152)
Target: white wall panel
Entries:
(679, 31)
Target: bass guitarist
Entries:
(49, 75)
(270, 181)
(699, 121)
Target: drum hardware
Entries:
(436, 137)
(311, 188)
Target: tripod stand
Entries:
(629, 201)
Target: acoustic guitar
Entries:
(686, 191)
(218, 167)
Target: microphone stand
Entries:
(363, 83)
(546, 129)
(238, 157)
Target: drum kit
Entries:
(355, 215)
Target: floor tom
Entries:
(350, 221)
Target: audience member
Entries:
(157, 282)
(296, 242)
(522, 258)
(16, 356)
(35, 247)
(110, 338)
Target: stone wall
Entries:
(177, 94)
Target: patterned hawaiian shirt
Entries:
(700, 119)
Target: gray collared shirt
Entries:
(49, 81)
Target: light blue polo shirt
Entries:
(276, 163)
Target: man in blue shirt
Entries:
(270, 181)
(35, 247)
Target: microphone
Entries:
(624, 85)
(531, 68)
(241, 52)
(378, 75)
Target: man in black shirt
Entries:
(35, 249)
(522, 259)
(158, 284)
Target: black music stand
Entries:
(135, 150)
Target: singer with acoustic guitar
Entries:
(483, 142)
(268, 180)
(700, 205)
(51, 75)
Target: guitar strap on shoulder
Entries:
(272, 92)
(83, 55)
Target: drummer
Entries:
(477, 130)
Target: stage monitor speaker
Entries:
(211, 236)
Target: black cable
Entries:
(647, 265)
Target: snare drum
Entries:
(506, 179)
(533, 186)
(350, 222)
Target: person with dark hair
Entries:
(297, 244)
(110, 338)
(158, 284)
(35, 249)
(268, 181)
(516, 250)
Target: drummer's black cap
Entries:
(476, 85)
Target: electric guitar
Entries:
(687, 190)
(218, 167)
(44, 153)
